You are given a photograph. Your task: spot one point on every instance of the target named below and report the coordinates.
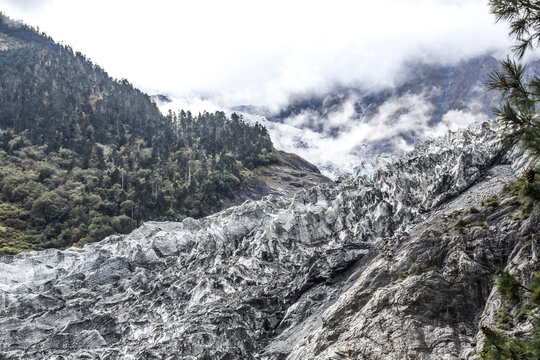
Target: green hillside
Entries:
(83, 156)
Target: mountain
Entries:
(398, 266)
(83, 156)
(339, 128)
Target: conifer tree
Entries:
(519, 113)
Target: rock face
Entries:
(300, 278)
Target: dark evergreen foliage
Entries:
(508, 286)
(524, 19)
(499, 345)
(83, 156)
(520, 117)
(519, 112)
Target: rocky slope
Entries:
(315, 276)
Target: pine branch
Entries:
(527, 4)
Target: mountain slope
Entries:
(287, 278)
(83, 156)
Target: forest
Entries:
(84, 156)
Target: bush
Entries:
(416, 270)
(507, 285)
(534, 286)
(503, 319)
(491, 201)
(50, 207)
(528, 193)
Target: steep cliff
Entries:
(383, 268)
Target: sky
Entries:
(260, 52)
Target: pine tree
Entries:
(508, 286)
(519, 113)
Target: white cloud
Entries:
(255, 52)
(342, 152)
(456, 119)
(193, 103)
(25, 5)
(339, 155)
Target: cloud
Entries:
(25, 5)
(247, 52)
(192, 103)
(456, 119)
(390, 131)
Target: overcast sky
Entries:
(259, 52)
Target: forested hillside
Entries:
(83, 155)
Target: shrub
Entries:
(507, 285)
(416, 270)
(528, 193)
(491, 201)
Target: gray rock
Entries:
(285, 278)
